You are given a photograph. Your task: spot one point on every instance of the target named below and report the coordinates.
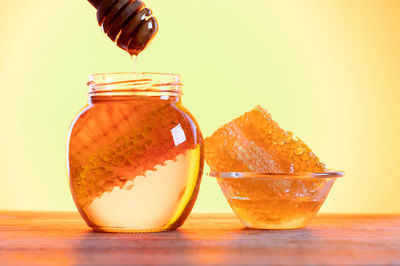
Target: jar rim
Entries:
(135, 83)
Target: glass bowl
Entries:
(276, 200)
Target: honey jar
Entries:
(135, 154)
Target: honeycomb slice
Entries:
(254, 142)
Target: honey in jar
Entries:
(135, 154)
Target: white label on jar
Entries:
(178, 135)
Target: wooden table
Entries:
(59, 238)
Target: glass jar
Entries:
(135, 154)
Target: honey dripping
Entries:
(128, 23)
(133, 60)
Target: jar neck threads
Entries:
(134, 84)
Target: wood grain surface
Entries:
(59, 238)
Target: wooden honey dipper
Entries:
(127, 22)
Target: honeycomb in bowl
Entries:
(254, 142)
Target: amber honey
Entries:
(135, 155)
(275, 214)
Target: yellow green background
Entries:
(327, 70)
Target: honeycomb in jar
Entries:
(112, 143)
(254, 142)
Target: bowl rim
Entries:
(297, 175)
